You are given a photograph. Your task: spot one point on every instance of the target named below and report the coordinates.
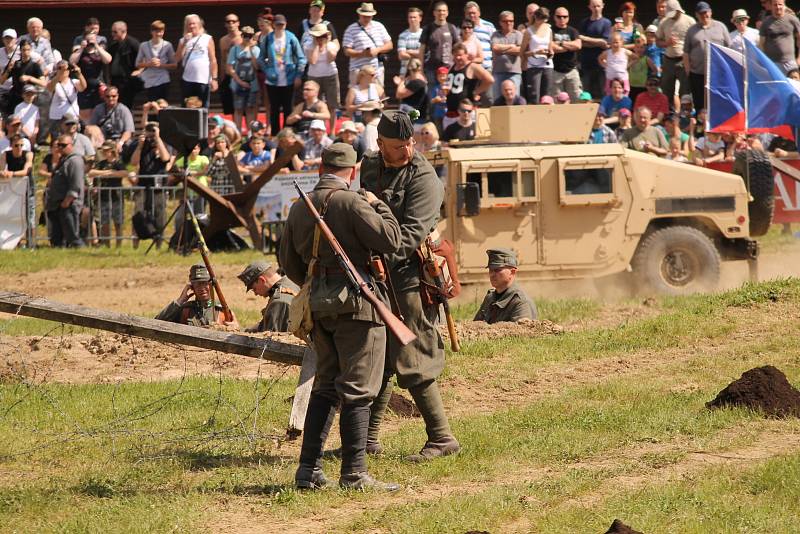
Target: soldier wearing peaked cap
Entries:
(348, 335)
(265, 281)
(507, 301)
(404, 179)
(199, 311)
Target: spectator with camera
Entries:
(111, 120)
(92, 25)
(366, 42)
(151, 158)
(65, 86)
(107, 175)
(22, 72)
(155, 60)
(91, 57)
(242, 66)
(321, 54)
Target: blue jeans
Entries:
(500, 77)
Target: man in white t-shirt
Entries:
(365, 42)
(28, 112)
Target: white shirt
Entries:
(64, 100)
(358, 38)
(279, 44)
(737, 39)
(29, 115)
(196, 63)
(325, 65)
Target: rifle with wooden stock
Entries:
(392, 322)
(204, 252)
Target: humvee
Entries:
(573, 210)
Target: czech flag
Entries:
(725, 90)
(773, 102)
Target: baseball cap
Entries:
(10, 32)
(216, 120)
(739, 14)
(673, 7)
(586, 96)
(69, 118)
(651, 29)
(279, 19)
(624, 112)
(256, 126)
(702, 7)
(546, 99)
(317, 3)
(442, 70)
(687, 99)
(348, 126)
(562, 96)
(317, 124)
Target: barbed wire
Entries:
(241, 424)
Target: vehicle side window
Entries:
(501, 184)
(588, 181)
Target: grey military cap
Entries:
(252, 272)
(341, 155)
(501, 257)
(199, 273)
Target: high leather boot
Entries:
(319, 418)
(376, 415)
(353, 424)
(441, 441)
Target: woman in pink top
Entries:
(474, 48)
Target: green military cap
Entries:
(253, 271)
(199, 273)
(396, 125)
(340, 155)
(501, 257)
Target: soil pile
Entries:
(473, 330)
(618, 527)
(765, 389)
(402, 406)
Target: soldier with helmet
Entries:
(506, 301)
(200, 310)
(265, 281)
(403, 178)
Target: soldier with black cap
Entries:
(404, 179)
(348, 335)
(265, 281)
(200, 311)
(507, 301)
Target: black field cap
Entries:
(396, 125)
(340, 155)
(501, 257)
(199, 273)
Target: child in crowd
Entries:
(676, 152)
(28, 112)
(624, 121)
(615, 61)
(709, 148)
(437, 96)
(654, 53)
(638, 68)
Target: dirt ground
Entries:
(106, 357)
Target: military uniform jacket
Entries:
(275, 315)
(358, 226)
(192, 313)
(509, 306)
(414, 193)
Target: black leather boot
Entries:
(319, 418)
(353, 424)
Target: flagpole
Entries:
(706, 92)
(745, 83)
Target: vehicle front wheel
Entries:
(676, 260)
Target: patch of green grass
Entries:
(44, 258)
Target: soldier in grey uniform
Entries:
(404, 179)
(264, 280)
(199, 311)
(507, 301)
(348, 335)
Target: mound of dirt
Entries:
(473, 330)
(618, 527)
(765, 389)
(402, 406)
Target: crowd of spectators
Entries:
(647, 76)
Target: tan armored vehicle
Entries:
(573, 210)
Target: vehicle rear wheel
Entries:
(762, 188)
(676, 260)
